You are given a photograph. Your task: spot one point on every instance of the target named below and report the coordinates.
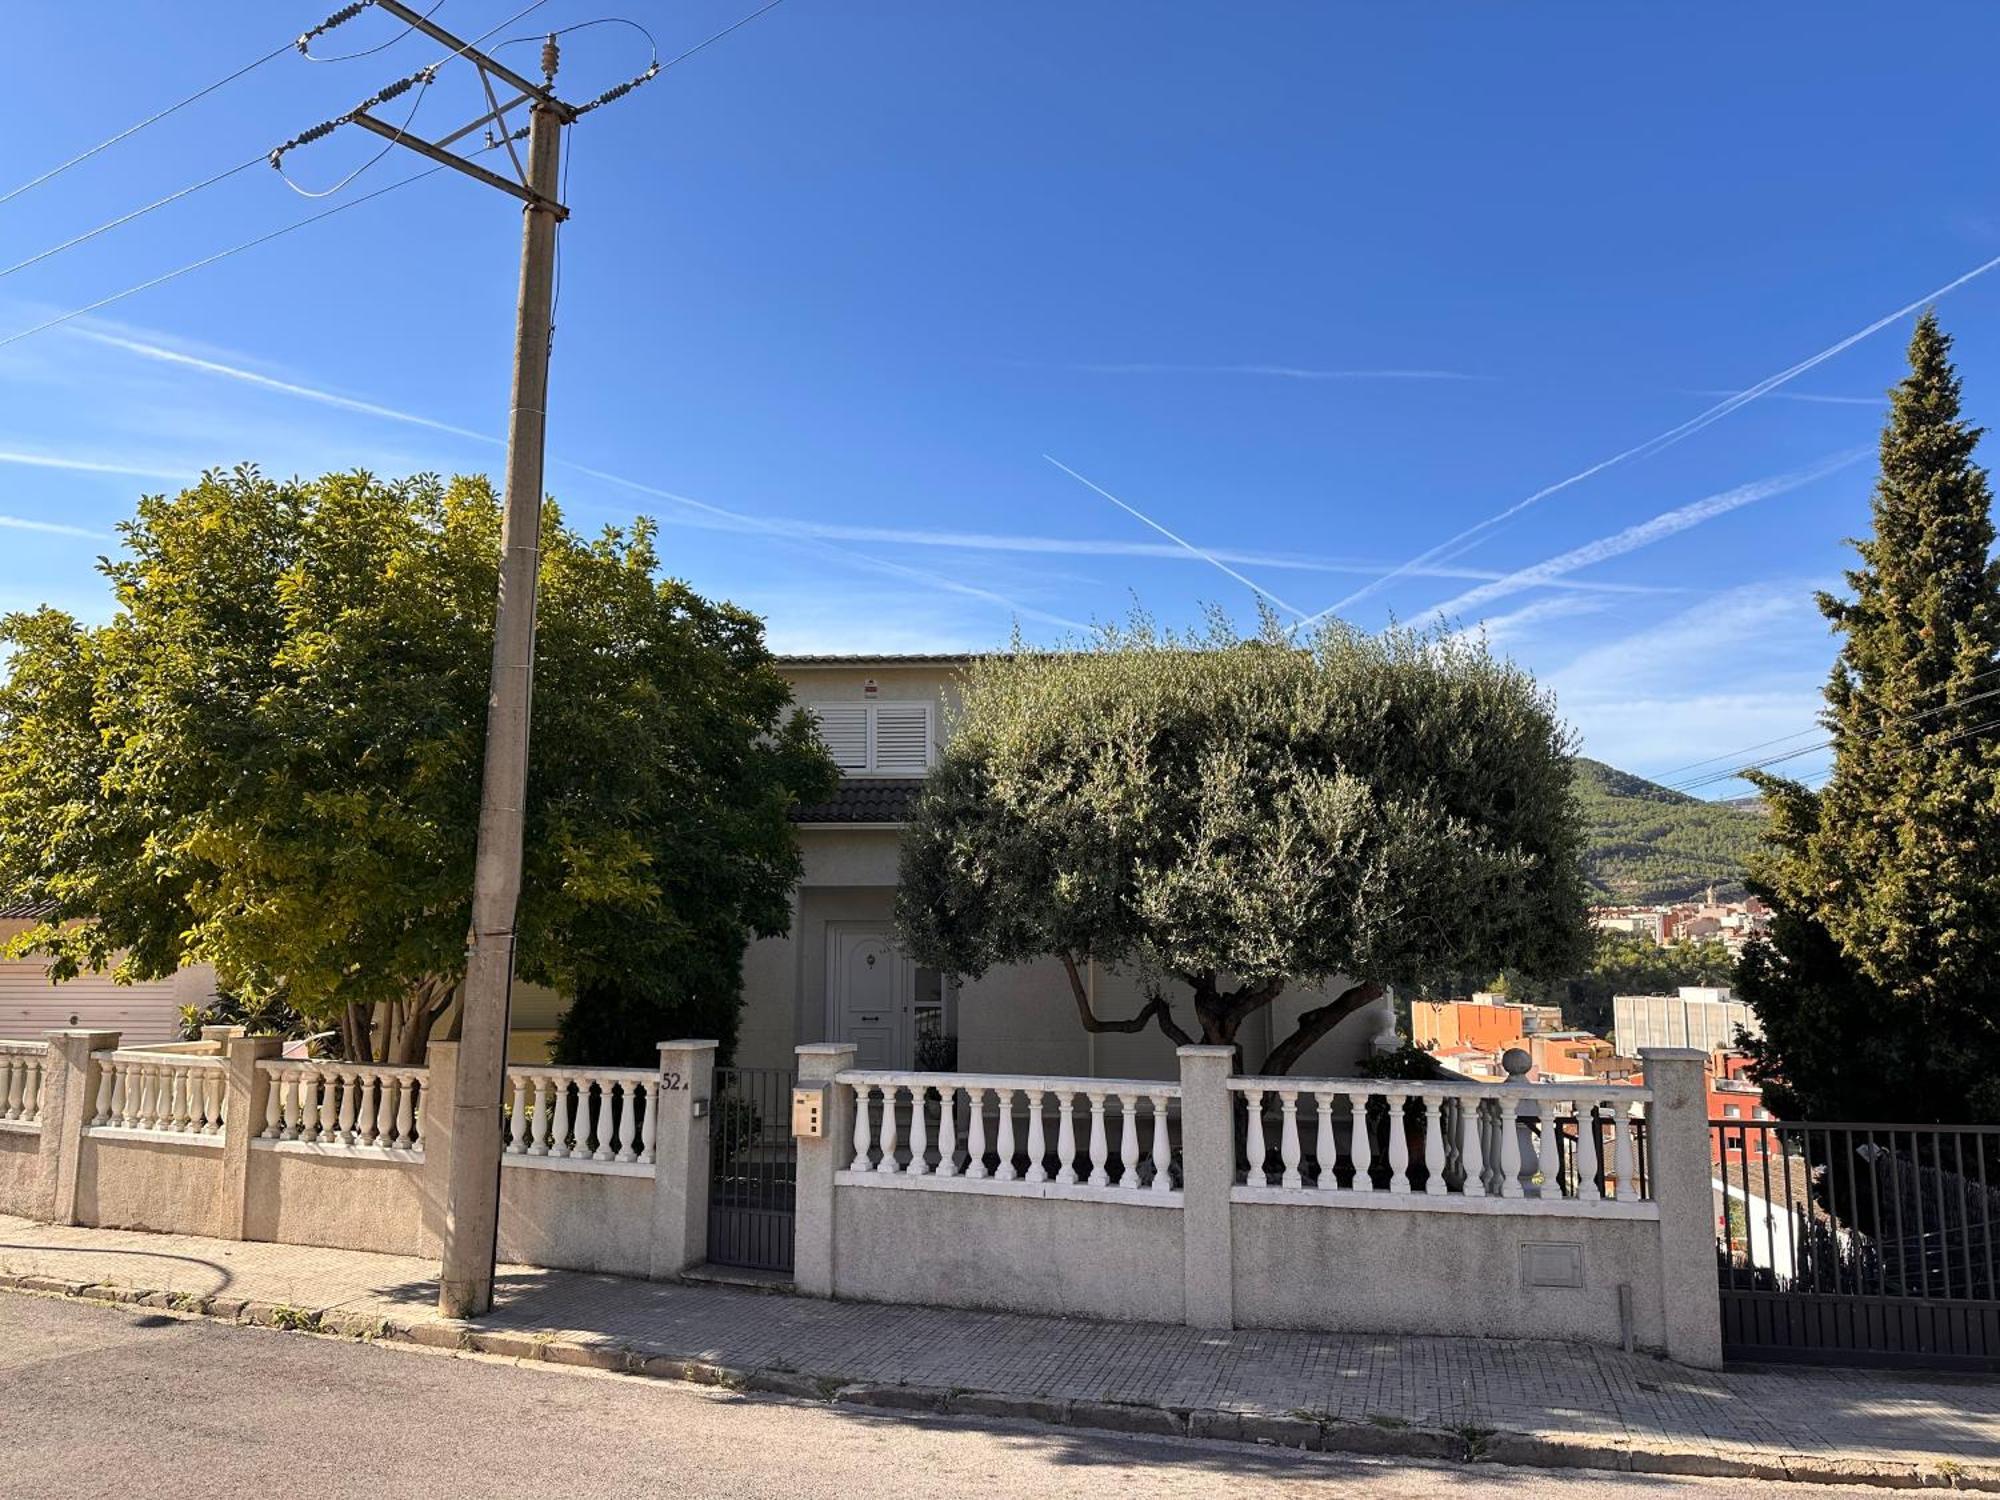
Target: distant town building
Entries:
(1732, 923)
(1487, 1022)
(1702, 1016)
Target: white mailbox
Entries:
(809, 1113)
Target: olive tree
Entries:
(1228, 816)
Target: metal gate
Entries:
(753, 1170)
(1858, 1244)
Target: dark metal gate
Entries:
(1858, 1244)
(753, 1170)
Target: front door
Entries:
(869, 993)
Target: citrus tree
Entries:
(269, 759)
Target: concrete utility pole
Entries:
(472, 1191)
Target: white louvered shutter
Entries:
(902, 739)
(843, 729)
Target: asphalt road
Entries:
(129, 1403)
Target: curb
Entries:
(1386, 1438)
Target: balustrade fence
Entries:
(23, 1076)
(337, 1104)
(1436, 1138)
(166, 1093)
(1109, 1133)
(582, 1114)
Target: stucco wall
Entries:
(344, 1201)
(576, 1221)
(157, 1185)
(1056, 1255)
(21, 1187)
(1458, 1274)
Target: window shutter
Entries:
(843, 729)
(902, 739)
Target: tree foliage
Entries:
(269, 759)
(1233, 816)
(1880, 993)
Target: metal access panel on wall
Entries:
(753, 1169)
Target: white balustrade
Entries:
(924, 1111)
(591, 1119)
(343, 1105)
(165, 1093)
(23, 1078)
(1443, 1140)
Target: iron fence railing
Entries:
(1861, 1210)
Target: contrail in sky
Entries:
(1207, 557)
(1632, 538)
(1444, 550)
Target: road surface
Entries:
(130, 1403)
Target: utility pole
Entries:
(472, 1179)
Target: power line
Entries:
(1716, 778)
(137, 213)
(154, 119)
(220, 255)
(1665, 778)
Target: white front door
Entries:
(869, 993)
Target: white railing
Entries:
(343, 1105)
(1110, 1134)
(167, 1094)
(1348, 1137)
(23, 1077)
(581, 1115)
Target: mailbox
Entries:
(809, 1113)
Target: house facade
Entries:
(837, 974)
(142, 1013)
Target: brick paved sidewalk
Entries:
(1522, 1402)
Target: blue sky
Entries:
(1315, 288)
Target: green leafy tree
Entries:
(1232, 816)
(269, 759)
(1880, 992)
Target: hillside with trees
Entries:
(1646, 843)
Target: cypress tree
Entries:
(1880, 991)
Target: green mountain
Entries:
(1646, 843)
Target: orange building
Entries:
(1440, 1024)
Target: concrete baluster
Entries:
(1253, 1138)
(1288, 1136)
(975, 1133)
(1037, 1141)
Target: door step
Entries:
(744, 1278)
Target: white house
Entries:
(837, 975)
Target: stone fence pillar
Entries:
(818, 1161)
(245, 1091)
(69, 1100)
(683, 1095)
(1208, 1173)
(1682, 1177)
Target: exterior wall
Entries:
(577, 1221)
(626, 1213)
(158, 1185)
(1022, 1254)
(1441, 1273)
(343, 1202)
(1017, 1019)
(21, 1190)
(143, 1013)
(1702, 1018)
